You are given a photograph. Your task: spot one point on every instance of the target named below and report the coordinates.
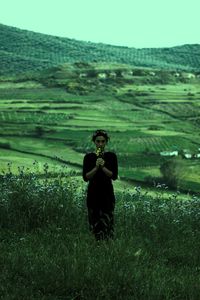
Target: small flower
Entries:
(138, 189)
(99, 152)
(138, 253)
(22, 239)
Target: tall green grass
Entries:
(47, 252)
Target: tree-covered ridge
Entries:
(23, 50)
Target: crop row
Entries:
(33, 117)
(154, 145)
(177, 109)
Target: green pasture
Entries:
(20, 85)
(41, 147)
(50, 125)
(46, 246)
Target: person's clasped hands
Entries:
(100, 162)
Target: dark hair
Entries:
(100, 132)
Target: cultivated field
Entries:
(51, 125)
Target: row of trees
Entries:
(36, 51)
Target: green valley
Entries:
(51, 117)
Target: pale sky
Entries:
(132, 23)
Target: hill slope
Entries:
(23, 50)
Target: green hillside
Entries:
(22, 51)
(55, 91)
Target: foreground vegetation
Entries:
(47, 252)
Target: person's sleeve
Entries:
(114, 167)
(85, 168)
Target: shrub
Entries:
(5, 145)
(39, 131)
(172, 171)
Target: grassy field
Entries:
(47, 252)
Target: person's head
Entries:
(100, 138)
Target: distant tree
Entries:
(164, 77)
(92, 73)
(39, 131)
(139, 72)
(5, 145)
(147, 150)
(118, 73)
(172, 171)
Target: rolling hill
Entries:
(55, 91)
(24, 51)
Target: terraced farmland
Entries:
(52, 126)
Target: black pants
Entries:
(101, 223)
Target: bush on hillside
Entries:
(172, 171)
(39, 131)
(5, 145)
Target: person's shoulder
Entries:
(89, 154)
(111, 154)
